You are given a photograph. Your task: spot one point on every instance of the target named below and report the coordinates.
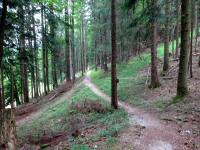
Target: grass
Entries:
(62, 118)
(131, 82)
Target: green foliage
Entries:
(131, 80)
(80, 147)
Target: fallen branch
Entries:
(54, 96)
(168, 78)
(168, 119)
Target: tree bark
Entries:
(53, 49)
(2, 27)
(166, 44)
(46, 52)
(114, 101)
(2, 87)
(182, 88)
(8, 130)
(154, 60)
(37, 84)
(177, 29)
(23, 58)
(82, 45)
(73, 44)
(68, 69)
(197, 24)
(43, 50)
(12, 86)
(193, 4)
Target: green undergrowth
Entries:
(64, 118)
(131, 80)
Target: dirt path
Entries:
(146, 132)
(37, 109)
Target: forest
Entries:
(100, 74)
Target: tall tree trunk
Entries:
(2, 27)
(193, 4)
(198, 23)
(82, 45)
(37, 84)
(2, 87)
(8, 130)
(32, 67)
(68, 69)
(114, 101)
(12, 86)
(85, 49)
(73, 45)
(182, 88)
(154, 60)
(53, 49)
(23, 58)
(43, 50)
(46, 52)
(197, 8)
(1, 102)
(177, 28)
(166, 44)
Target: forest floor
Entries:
(79, 117)
(179, 116)
(146, 132)
(76, 119)
(27, 112)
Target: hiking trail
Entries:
(155, 135)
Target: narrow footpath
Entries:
(146, 132)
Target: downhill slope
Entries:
(77, 119)
(134, 78)
(152, 134)
(157, 121)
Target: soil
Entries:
(177, 127)
(185, 114)
(60, 140)
(146, 131)
(33, 109)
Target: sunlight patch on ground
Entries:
(160, 145)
